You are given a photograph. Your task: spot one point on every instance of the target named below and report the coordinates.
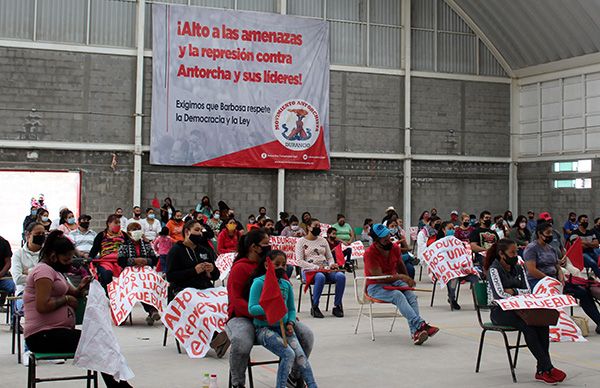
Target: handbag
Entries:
(582, 322)
(538, 317)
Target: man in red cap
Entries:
(557, 239)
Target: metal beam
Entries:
(461, 158)
(280, 190)
(66, 146)
(555, 158)
(407, 173)
(366, 155)
(139, 98)
(479, 32)
(513, 181)
(572, 72)
(27, 44)
(558, 66)
(461, 77)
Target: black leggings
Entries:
(585, 300)
(536, 337)
(64, 341)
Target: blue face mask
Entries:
(45, 219)
(71, 221)
(151, 216)
(34, 212)
(450, 232)
(394, 230)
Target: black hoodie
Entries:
(181, 271)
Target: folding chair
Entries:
(328, 294)
(250, 365)
(364, 299)
(32, 379)
(435, 281)
(170, 297)
(480, 300)
(16, 331)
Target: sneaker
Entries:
(155, 316)
(454, 305)
(558, 374)
(316, 312)
(546, 377)
(349, 267)
(149, 320)
(220, 343)
(25, 358)
(293, 382)
(431, 330)
(420, 336)
(338, 311)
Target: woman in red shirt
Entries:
(228, 238)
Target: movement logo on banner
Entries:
(547, 295)
(136, 284)
(447, 259)
(239, 89)
(193, 316)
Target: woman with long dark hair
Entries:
(167, 210)
(507, 278)
(105, 250)
(240, 329)
(50, 302)
(520, 234)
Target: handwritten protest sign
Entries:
(358, 249)
(287, 245)
(324, 228)
(447, 259)
(136, 284)
(224, 262)
(536, 301)
(413, 231)
(193, 316)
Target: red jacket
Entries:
(226, 243)
(236, 287)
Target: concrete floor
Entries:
(342, 359)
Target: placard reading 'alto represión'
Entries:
(239, 89)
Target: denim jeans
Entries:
(163, 263)
(8, 286)
(290, 356)
(330, 277)
(452, 285)
(410, 268)
(591, 262)
(241, 333)
(406, 301)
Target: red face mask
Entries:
(115, 228)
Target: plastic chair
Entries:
(250, 365)
(435, 281)
(480, 300)
(170, 296)
(15, 330)
(364, 299)
(328, 294)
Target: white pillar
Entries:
(139, 97)
(407, 207)
(280, 190)
(513, 182)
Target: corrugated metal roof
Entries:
(533, 32)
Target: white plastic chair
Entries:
(364, 299)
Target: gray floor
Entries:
(342, 359)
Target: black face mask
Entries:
(386, 247)
(487, 223)
(437, 226)
(548, 239)
(511, 260)
(279, 272)
(38, 239)
(466, 223)
(265, 249)
(60, 267)
(530, 217)
(585, 225)
(197, 239)
(316, 231)
(84, 225)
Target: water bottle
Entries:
(206, 381)
(213, 381)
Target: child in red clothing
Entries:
(162, 245)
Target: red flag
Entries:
(575, 254)
(271, 299)
(155, 203)
(339, 255)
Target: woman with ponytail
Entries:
(252, 248)
(50, 302)
(506, 278)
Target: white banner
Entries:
(239, 89)
(193, 316)
(224, 262)
(447, 259)
(358, 249)
(287, 245)
(136, 284)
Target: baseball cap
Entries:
(545, 216)
(454, 212)
(380, 230)
(389, 209)
(530, 211)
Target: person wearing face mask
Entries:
(447, 229)
(424, 219)
(150, 225)
(293, 229)
(531, 222)
(252, 223)
(305, 221)
(399, 239)
(50, 301)
(500, 227)
(383, 258)
(204, 207)
(365, 235)
(44, 219)
(175, 226)
(509, 222)
(482, 237)
(167, 210)
(334, 243)
(252, 247)
(83, 237)
(597, 233)
(122, 218)
(454, 217)
(543, 260)
(137, 216)
(31, 217)
(135, 252)
(262, 212)
(67, 222)
(589, 242)
(269, 227)
(464, 229)
(427, 235)
(270, 336)
(344, 230)
(520, 234)
(556, 242)
(312, 254)
(56, 222)
(105, 250)
(570, 226)
(506, 279)
(228, 238)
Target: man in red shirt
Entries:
(383, 258)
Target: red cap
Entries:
(545, 216)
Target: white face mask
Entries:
(295, 227)
(136, 235)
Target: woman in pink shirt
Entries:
(67, 222)
(50, 302)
